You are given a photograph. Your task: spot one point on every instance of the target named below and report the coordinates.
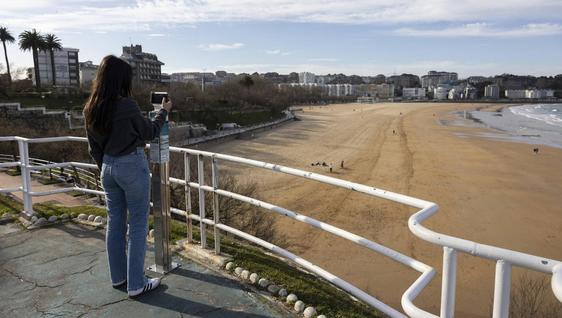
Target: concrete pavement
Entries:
(62, 271)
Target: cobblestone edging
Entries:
(277, 291)
(37, 222)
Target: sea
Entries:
(548, 113)
(536, 124)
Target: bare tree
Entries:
(235, 213)
(532, 298)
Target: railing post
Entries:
(25, 179)
(448, 282)
(97, 177)
(76, 176)
(502, 289)
(216, 215)
(201, 181)
(187, 195)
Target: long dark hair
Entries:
(113, 81)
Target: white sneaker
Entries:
(150, 284)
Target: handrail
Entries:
(505, 258)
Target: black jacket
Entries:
(130, 129)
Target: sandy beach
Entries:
(489, 190)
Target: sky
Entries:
(363, 37)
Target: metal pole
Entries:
(448, 283)
(201, 181)
(187, 192)
(502, 289)
(215, 173)
(25, 179)
(160, 188)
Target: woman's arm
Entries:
(146, 128)
(95, 150)
(149, 129)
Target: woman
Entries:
(117, 132)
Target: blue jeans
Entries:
(126, 182)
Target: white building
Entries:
(433, 78)
(339, 89)
(307, 78)
(384, 90)
(413, 93)
(146, 66)
(492, 91)
(539, 93)
(469, 92)
(441, 92)
(455, 93)
(515, 93)
(67, 72)
(88, 71)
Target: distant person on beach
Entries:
(536, 151)
(331, 167)
(117, 132)
(341, 164)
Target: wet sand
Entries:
(490, 191)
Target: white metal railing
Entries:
(505, 258)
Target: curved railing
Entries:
(451, 245)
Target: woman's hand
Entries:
(167, 104)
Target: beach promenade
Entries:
(490, 191)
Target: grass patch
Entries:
(13, 172)
(9, 205)
(312, 290)
(48, 209)
(61, 102)
(47, 181)
(328, 300)
(76, 193)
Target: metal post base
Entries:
(159, 270)
(26, 215)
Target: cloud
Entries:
(52, 15)
(156, 35)
(220, 46)
(277, 52)
(323, 59)
(485, 30)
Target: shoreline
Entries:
(508, 126)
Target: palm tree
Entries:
(33, 41)
(5, 36)
(52, 43)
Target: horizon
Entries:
(362, 38)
